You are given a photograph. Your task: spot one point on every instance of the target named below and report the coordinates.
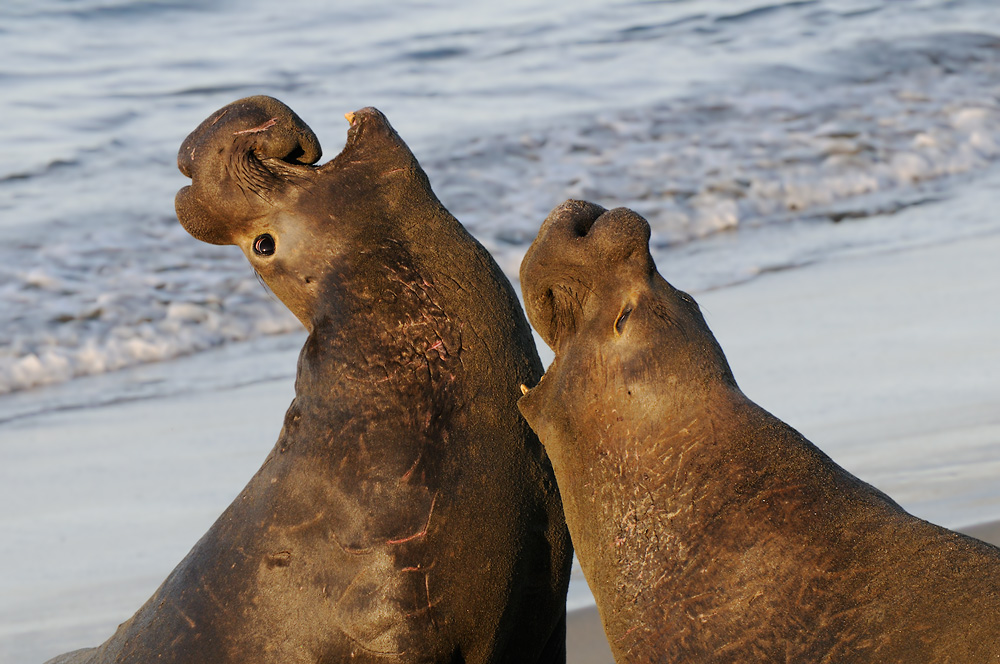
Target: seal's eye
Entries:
(622, 317)
(263, 245)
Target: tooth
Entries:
(524, 388)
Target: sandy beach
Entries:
(887, 361)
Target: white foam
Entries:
(148, 308)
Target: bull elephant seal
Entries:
(709, 530)
(407, 512)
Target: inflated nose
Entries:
(230, 159)
(578, 244)
(271, 128)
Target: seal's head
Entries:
(413, 512)
(254, 185)
(592, 292)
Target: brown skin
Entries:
(709, 530)
(407, 512)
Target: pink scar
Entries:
(423, 531)
(256, 130)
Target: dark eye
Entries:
(263, 245)
(622, 317)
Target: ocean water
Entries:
(751, 121)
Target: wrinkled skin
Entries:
(709, 530)
(407, 513)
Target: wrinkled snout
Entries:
(580, 248)
(240, 161)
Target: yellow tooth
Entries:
(524, 388)
(350, 117)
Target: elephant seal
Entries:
(407, 512)
(709, 530)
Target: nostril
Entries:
(585, 215)
(582, 225)
(264, 245)
(295, 156)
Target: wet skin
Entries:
(407, 512)
(709, 530)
